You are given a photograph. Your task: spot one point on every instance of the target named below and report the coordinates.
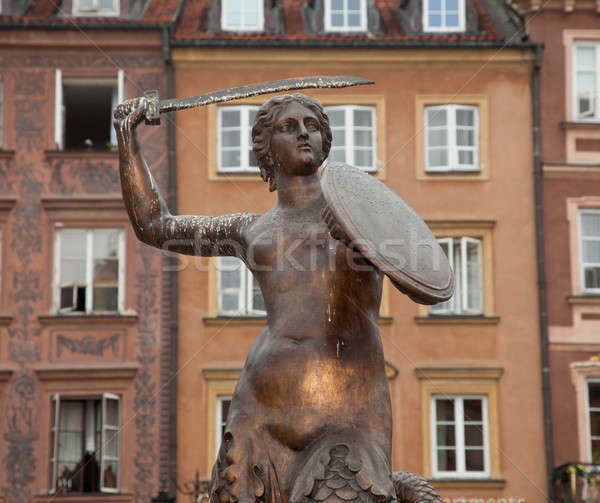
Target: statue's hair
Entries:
(262, 130)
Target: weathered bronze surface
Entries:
(310, 419)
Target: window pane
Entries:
(465, 137)
(106, 271)
(112, 412)
(337, 20)
(436, 117)
(231, 159)
(585, 58)
(474, 460)
(435, 5)
(258, 302)
(363, 158)
(451, 4)
(107, 4)
(109, 477)
(362, 138)
(594, 394)
(590, 224)
(111, 446)
(435, 20)
(591, 251)
(474, 435)
(229, 302)
(446, 460)
(444, 409)
(72, 271)
(252, 160)
(337, 4)
(231, 138)
(105, 243)
(452, 20)
(338, 155)
(86, 4)
(595, 423)
(437, 138)
(336, 117)
(472, 410)
(586, 84)
(353, 20)
(72, 243)
(465, 117)
(231, 278)
(354, 4)
(592, 277)
(595, 451)
(105, 298)
(474, 282)
(230, 118)
(445, 436)
(363, 118)
(438, 158)
(339, 138)
(466, 157)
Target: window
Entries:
(85, 444)
(586, 81)
(345, 15)
(465, 257)
(451, 138)
(354, 135)
(234, 125)
(223, 403)
(95, 7)
(83, 112)
(459, 436)
(444, 15)
(239, 292)
(590, 250)
(594, 419)
(89, 272)
(242, 15)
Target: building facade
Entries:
(570, 155)
(448, 125)
(86, 324)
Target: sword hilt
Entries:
(153, 110)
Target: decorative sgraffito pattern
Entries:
(28, 176)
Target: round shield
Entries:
(388, 232)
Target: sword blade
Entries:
(275, 86)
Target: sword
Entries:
(157, 107)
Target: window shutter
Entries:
(54, 425)
(446, 244)
(110, 462)
(59, 133)
(472, 268)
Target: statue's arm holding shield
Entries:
(150, 217)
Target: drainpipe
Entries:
(541, 270)
(172, 202)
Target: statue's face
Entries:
(296, 142)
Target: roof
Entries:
(391, 22)
(47, 14)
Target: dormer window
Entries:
(242, 15)
(345, 15)
(443, 15)
(95, 7)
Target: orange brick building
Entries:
(447, 125)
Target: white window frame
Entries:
(588, 411)
(444, 29)
(55, 428)
(89, 272)
(219, 420)
(594, 115)
(349, 129)
(345, 27)
(225, 13)
(59, 107)
(95, 9)
(244, 292)
(451, 145)
(460, 423)
(461, 279)
(246, 140)
(583, 265)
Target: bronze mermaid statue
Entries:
(310, 419)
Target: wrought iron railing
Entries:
(577, 483)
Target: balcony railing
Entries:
(577, 483)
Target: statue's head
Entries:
(263, 130)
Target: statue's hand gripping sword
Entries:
(157, 107)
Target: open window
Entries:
(84, 109)
(85, 444)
